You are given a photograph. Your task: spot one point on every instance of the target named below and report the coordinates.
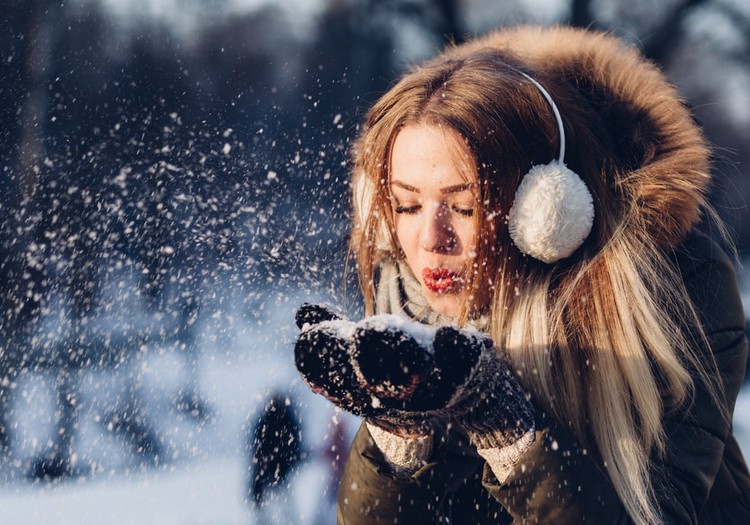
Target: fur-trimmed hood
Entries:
(667, 174)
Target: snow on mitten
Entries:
(323, 356)
(395, 361)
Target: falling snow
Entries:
(188, 191)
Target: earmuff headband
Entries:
(558, 118)
(553, 210)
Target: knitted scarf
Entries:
(397, 291)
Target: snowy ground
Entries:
(202, 474)
(201, 493)
(209, 486)
(201, 481)
(205, 492)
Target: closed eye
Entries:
(466, 212)
(414, 209)
(408, 210)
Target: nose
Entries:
(437, 233)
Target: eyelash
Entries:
(413, 210)
(408, 210)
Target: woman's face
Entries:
(433, 184)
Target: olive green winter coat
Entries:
(702, 479)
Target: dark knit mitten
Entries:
(491, 406)
(452, 373)
(394, 359)
(323, 356)
(310, 314)
(398, 374)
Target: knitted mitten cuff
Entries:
(503, 460)
(405, 455)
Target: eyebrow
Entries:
(457, 188)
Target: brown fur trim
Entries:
(667, 175)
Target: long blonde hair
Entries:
(596, 339)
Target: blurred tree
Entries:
(31, 27)
(665, 38)
(452, 28)
(581, 14)
(37, 21)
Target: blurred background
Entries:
(173, 186)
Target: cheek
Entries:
(467, 234)
(407, 239)
(404, 232)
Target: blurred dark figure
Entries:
(276, 445)
(333, 454)
(335, 449)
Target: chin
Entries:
(446, 304)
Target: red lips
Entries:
(440, 280)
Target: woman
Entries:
(549, 339)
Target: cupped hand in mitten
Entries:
(453, 373)
(399, 373)
(407, 366)
(324, 357)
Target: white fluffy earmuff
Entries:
(553, 210)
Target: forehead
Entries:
(427, 155)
